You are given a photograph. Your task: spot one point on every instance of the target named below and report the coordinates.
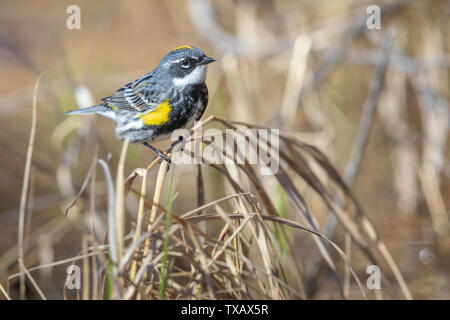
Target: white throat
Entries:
(197, 76)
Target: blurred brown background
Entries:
(403, 182)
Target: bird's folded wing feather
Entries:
(134, 96)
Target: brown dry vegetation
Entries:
(363, 173)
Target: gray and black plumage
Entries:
(170, 97)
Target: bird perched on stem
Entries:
(170, 97)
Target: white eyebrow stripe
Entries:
(179, 60)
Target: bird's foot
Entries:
(163, 156)
(159, 153)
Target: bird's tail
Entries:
(100, 109)
(89, 110)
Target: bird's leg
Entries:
(160, 154)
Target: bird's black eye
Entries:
(185, 63)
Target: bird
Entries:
(172, 96)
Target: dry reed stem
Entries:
(140, 218)
(203, 261)
(113, 238)
(2, 290)
(83, 187)
(92, 227)
(435, 201)
(26, 179)
(85, 277)
(294, 81)
(162, 173)
(120, 209)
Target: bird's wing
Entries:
(138, 95)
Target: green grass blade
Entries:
(164, 268)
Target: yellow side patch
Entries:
(182, 47)
(158, 116)
(113, 106)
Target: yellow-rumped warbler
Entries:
(170, 97)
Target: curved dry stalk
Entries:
(83, 186)
(2, 290)
(26, 180)
(213, 203)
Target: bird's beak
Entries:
(205, 60)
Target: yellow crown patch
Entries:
(182, 47)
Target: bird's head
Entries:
(186, 65)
